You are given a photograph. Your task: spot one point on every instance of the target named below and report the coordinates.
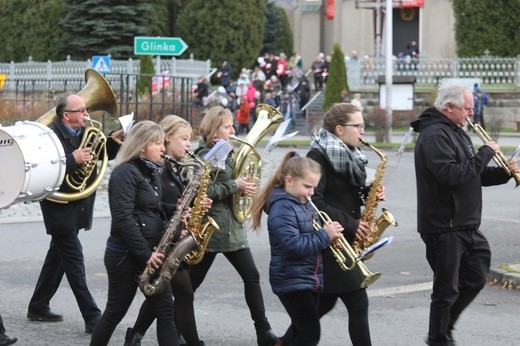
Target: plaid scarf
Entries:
(351, 161)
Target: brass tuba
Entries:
(248, 163)
(98, 96)
(343, 251)
(499, 158)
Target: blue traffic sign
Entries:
(101, 63)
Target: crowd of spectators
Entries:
(273, 79)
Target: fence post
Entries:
(49, 70)
(12, 70)
(517, 70)
(455, 68)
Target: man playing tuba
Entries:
(63, 220)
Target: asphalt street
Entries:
(399, 300)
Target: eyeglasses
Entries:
(359, 126)
(81, 110)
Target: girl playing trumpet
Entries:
(295, 270)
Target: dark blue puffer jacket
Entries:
(295, 246)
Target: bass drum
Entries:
(33, 162)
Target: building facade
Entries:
(358, 26)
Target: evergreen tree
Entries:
(278, 34)
(230, 30)
(337, 79)
(480, 27)
(147, 69)
(30, 28)
(104, 27)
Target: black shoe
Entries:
(132, 338)
(267, 338)
(5, 340)
(44, 316)
(89, 326)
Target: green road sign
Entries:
(159, 45)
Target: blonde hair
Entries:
(171, 123)
(292, 165)
(211, 122)
(338, 114)
(138, 137)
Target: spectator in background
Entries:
(224, 73)
(201, 91)
(326, 67)
(344, 96)
(281, 70)
(413, 53)
(480, 100)
(317, 72)
(304, 91)
(258, 77)
(287, 108)
(356, 101)
(243, 116)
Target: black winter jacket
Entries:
(342, 201)
(450, 175)
(63, 218)
(138, 219)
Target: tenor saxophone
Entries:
(154, 282)
(379, 225)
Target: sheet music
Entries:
(405, 141)
(376, 246)
(279, 136)
(218, 154)
(126, 122)
(515, 154)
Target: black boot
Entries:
(132, 338)
(5, 340)
(264, 334)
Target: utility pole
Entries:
(377, 6)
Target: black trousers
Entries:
(460, 262)
(65, 256)
(302, 307)
(356, 303)
(243, 262)
(184, 313)
(123, 272)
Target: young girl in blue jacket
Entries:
(295, 270)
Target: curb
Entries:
(504, 278)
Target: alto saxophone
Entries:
(379, 225)
(154, 282)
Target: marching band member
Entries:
(64, 220)
(138, 220)
(295, 270)
(177, 142)
(231, 238)
(339, 194)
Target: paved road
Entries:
(398, 304)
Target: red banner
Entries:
(330, 9)
(411, 3)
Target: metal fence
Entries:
(428, 71)
(52, 74)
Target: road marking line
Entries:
(381, 292)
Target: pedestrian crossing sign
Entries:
(101, 63)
